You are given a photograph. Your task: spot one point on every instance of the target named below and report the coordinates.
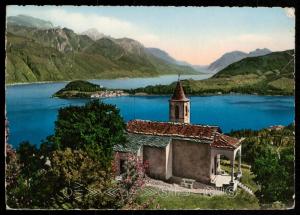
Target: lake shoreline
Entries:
(119, 78)
(213, 94)
(169, 95)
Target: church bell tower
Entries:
(179, 109)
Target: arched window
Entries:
(176, 112)
(186, 110)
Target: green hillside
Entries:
(272, 74)
(60, 54)
(272, 66)
(78, 89)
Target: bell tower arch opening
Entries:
(179, 105)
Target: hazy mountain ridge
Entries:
(234, 56)
(29, 21)
(166, 57)
(275, 64)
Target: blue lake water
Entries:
(31, 112)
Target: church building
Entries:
(178, 151)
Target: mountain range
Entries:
(270, 74)
(39, 51)
(216, 66)
(53, 54)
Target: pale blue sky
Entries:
(197, 35)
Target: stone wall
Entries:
(156, 158)
(191, 160)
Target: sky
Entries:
(197, 35)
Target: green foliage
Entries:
(256, 141)
(28, 156)
(78, 88)
(80, 182)
(94, 128)
(68, 179)
(270, 152)
(82, 86)
(275, 173)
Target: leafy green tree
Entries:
(94, 128)
(274, 172)
(80, 182)
(28, 157)
(68, 179)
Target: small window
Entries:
(186, 110)
(176, 112)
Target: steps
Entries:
(244, 187)
(187, 183)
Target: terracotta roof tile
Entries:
(224, 141)
(199, 132)
(171, 129)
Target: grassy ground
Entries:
(172, 200)
(163, 200)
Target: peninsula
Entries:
(85, 89)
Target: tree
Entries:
(80, 182)
(68, 179)
(275, 173)
(28, 157)
(94, 128)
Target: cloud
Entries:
(289, 12)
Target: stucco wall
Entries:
(156, 158)
(181, 106)
(169, 161)
(191, 160)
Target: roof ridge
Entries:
(175, 123)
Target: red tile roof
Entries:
(179, 93)
(224, 141)
(200, 132)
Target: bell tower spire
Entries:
(179, 105)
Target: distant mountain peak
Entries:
(94, 34)
(259, 52)
(234, 56)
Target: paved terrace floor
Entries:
(163, 186)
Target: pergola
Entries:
(230, 154)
